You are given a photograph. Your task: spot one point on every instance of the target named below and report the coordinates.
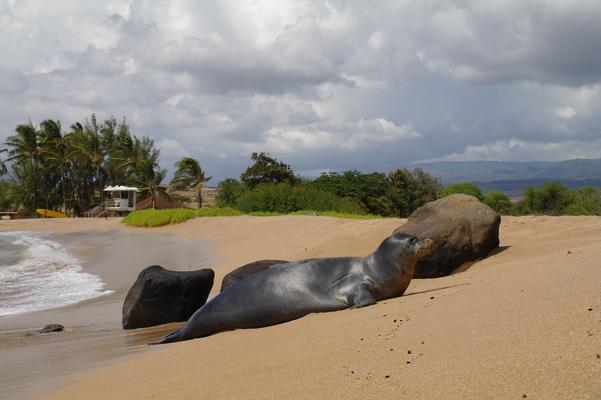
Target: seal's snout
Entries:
(425, 248)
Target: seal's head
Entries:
(404, 248)
(411, 247)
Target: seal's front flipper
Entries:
(360, 296)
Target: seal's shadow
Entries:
(436, 290)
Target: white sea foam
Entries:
(42, 274)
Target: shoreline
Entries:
(515, 323)
(93, 337)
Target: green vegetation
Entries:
(154, 218)
(553, 198)
(67, 170)
(462, 188)
(499, 202)
(189, 174)
(229, 191)
(283, 198)
(332, 214)
(266, 169)
(397, 194)
(46, 166)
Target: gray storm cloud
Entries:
(323, 85)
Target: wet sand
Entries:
(93, 336)
(524, 322)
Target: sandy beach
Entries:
(523, 323)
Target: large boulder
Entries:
(247, 270)
(160, 296)
(463, 229)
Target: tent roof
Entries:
(120, 188)
(161, 202)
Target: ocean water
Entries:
(38, 273)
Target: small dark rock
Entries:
(524, 396)
(394, 320)
(569, 251)
(408, 351)
(408, 362)
(51, 328)
(431, 297)
(590, 309)
(47, 329)
(387, 376)
(598, 355)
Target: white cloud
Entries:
(347, 137)
(317, 82)
(565, 112)
(519, 150)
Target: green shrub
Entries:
(228, 192)
(499, 202)
(550, 199)
(397, 194)
(462, 188)
(585, 201)
(283, 198)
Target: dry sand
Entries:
(524, 322)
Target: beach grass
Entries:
(154, 218)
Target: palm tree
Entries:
(189, 174)
(3, 168)
(88, 144)
(61, 155)
(148, 179)
(26, 151)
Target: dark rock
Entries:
(47, 329)
(51, 328)
(463, 229)
(160, 296)
(246, 270)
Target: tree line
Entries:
(67, 170)
(270, 185)
(53, 168)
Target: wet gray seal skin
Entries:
(292, 290)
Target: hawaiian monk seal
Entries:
(292, 290)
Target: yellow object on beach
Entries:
(50, 213)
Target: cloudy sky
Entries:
(322, 85)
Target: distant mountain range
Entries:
(513, 177)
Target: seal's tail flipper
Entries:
(174, 336)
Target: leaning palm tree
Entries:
(148, 179)
(189, 174)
